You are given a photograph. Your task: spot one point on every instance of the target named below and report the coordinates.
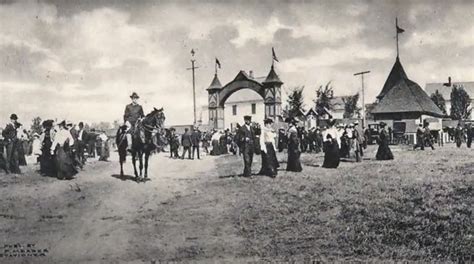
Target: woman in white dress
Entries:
(267, 147)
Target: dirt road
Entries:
(101, 217)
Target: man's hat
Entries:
(247, 117)
(48, 123)
(63, 123)
(382, 124)
(356, 123)
(13, 117)
(268, 121)
(134, 95)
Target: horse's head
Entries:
(156, 118)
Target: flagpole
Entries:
(273, 59)
(396, 32)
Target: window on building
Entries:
(234, 110)
(254, 109)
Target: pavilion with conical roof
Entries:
(402, 98)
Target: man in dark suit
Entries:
(81, 136)
(195, 139)
(247, 144)
(186, 142)
(11, 140)
(133, 111)
(75, 134)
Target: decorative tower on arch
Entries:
(272, 98)
(216, 112)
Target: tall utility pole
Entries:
(363, 96)
(194, 84)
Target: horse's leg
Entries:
(147, 156)
(141, 162)
(134, 165)
(121, 168)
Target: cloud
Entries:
(82, 60)
(333, 56)
(248, 30)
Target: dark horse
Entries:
(142, 141)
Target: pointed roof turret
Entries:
(215, 84)
(272, 77)
(402, 95)
(396, 74)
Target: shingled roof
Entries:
(402, 95)
(272, 77)
(397, 73)
(215, 84)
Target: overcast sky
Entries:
(81, 60)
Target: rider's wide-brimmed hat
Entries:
(13, 117)
(134, 95)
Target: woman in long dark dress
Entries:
(62, 143)
(267, 145)
(22, 137)
(294, 152)
(344, 152)
(383, 152)
(216, 149)
(331, 147)
(223, 143)
(47, 167)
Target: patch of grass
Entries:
(417, 208)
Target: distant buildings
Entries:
(241, 103)
(338, 107)
(445, 90)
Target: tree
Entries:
(460, 103)
(295, 102)
(438, 99)
(36, 126)
(101, 126)
(324, 96)
(350, 106)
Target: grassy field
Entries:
(417, 207)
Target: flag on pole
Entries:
(274, 55)
(218, 63)
(192, 52)
(399, 29)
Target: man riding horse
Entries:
(133, 113)
(137, 134)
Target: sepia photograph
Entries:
(236, 131)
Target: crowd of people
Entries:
(60, 149)
(337, 141)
